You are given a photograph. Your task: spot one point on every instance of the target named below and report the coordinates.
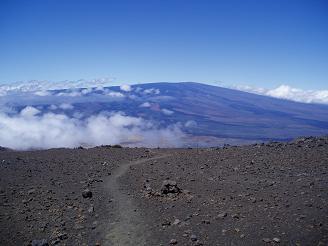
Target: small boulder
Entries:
(222, 215)
(193, 237)
(31, 191)
(266, 240)
(91, 209)
(62, 236)
(169, 186)
(87, 193)
(173, 241)
(276, 240)
(176, 222)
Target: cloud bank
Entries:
(290, 93)
(125, 88)
(41, 87)
(29, 129)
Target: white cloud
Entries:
(53, 107)
(86, 91)
(73, 93)
(29, 112)
(167, 111)
(36, 85)
(66, 106)
(190, 124)
(77, 115)
(42, 93)
(145, 105)
(125, 88)
(115, 94)
(290, 93)
(30, 129)
(151, 91)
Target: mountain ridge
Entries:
(207, 115)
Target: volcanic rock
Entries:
(87, 193)
(169, 186)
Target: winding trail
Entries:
(129, 227)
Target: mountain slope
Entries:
(209, 115)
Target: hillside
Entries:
(262, 194)
(206, 115)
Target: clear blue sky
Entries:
(260, 43)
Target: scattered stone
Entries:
(222, 215)
(55, 241)
(87, 193)
(169, 186)
(193, 237)
(266, 240)
(173, 241)
(176, 222)
(94, 224)
(166, 223)
(41, 242)
(91, 209)
(276, 240)
(62, 236)
(31, 191)
(235, 216)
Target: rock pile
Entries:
(169, 186)
(87, 193)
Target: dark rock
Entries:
(166, 223)
(276, 240)
(235, 216)
(173, 241)
(3, 148)
(31, 191)
(169, 186)
(193, 237)
(87, 193)
(94, 224)
(62, 236)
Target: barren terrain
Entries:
(261, 194)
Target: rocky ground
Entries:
(261, 194)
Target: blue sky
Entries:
(258, 43)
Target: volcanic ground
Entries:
(260, 194)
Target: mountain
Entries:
(208, 115)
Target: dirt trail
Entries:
(129, 227)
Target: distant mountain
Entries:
(209, 115)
